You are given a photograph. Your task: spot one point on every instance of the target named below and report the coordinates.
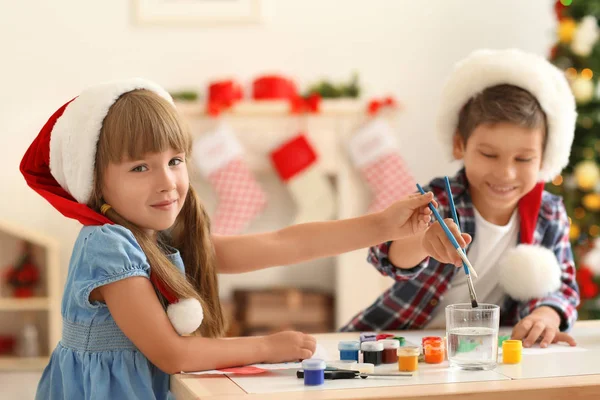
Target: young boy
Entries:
(510, 117)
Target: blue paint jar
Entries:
(349, 350)
(314, 372)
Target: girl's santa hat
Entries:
(59, 165)
(528, 271)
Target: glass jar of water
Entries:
(472, 336)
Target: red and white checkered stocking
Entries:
(374, 151)
(219, 156)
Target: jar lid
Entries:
(430, 339)
(349, 345)
(390, 343)
(512, 345)
(408, 351)
(368, 336)
(365, 368)
(342, 364)
(371, 346)
(313, 364)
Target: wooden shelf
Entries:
(33, 303)
(274, 108)
(13, 363)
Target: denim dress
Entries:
(94, 359)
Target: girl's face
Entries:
(149, 192)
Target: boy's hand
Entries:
(409, 216)
(542, 323)
(437, 245)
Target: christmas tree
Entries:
(577, 52)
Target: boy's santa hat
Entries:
(528, 271)
(59, 165)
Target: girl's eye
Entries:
(139, 168)
(488, 155)
(524, 159)
(175, 161)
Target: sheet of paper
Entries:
(320, 352)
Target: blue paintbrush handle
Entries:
(441, 221)
(453, 211)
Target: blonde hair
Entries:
(141, 122)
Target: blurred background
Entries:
(279, 79)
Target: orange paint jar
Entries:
(434, 351)
(408, 358)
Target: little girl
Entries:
(115, 158)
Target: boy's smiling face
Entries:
(502, 162)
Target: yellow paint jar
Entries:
(408, 358)
(512, 351)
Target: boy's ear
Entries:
(458, 146)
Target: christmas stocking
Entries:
(374, 151)
(296, 164)
(219, 156)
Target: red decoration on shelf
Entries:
(310, 104)
(222, 95)
(24, 275)
(7, 344)
(273, 87)
(376, 105)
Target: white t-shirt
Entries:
(490, 243)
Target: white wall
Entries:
(51, 50)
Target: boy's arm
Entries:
(298, 243)
(565, 300)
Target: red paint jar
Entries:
(390, 351)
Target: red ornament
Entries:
(559, 10)
(376, 105)
(24, 275)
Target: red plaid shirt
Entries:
(410, 302)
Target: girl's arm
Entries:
(138, 313)
(298, 243)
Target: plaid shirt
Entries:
(410, 302)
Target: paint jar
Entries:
(365, 368)
(408, 358)
(390, 348)
(428, 339)
(372, 352)
(349, 350)
(401, 340)
(512, 351)
(350, 365)
(382, 336)
(434, 351)
(314, 372)
(368, 337)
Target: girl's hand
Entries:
(437, 245)
(409, 216)
(288, 346)
(542, 324)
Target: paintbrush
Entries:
(450, 236)
(472, 294)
